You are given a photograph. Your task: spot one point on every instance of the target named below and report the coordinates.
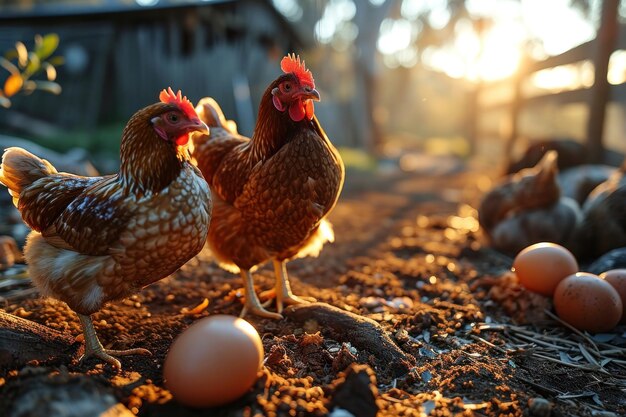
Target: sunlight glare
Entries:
(289, 8)
(617, 68)
(408, 57)
(411, 9)
(499, 59)
(571, 29)
(563, 77)
(146, 3)
(395, 35)
(501, 53)
(496, 52)
(335, 13)
(482, 8)
(466, 41)
(437, 10)
(439, 17)
(445, 60)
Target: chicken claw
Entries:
(94, 348)
(253, 305)
(282, 290)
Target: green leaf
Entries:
(10, 54)
(34, 65)
(49, 44)
(56, 60)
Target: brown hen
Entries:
(527, 207)
(273, 191)
(97, 239)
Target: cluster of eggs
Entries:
(595, 303)
(217, 359)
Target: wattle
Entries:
(300, 110)
(182, 140)
(309, 109)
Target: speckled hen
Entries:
(273, 191)
(98, 239)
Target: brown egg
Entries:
(540, 267)
(617, 278)
(588, 302)
(213, 362)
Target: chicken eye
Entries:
(287, 87)
(173, 118)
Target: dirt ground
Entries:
(447, 329)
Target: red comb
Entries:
(178, 99)
(292, 63)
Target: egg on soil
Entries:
(540, 267)
(617, 278)
(215, 361)
(588, 302)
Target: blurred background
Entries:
(399, 79)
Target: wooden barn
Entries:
(120, 53)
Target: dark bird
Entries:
(603, 226)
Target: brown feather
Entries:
(273, 190)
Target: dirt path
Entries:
(444, 332)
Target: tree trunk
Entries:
(368, 19)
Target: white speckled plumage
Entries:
(150, 248)
(98, 239)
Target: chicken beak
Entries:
(309, 93)
(198, 125)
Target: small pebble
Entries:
(340, 412)
(539, 407)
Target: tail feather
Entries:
(20, 168)
(211, 113)
(315, 243)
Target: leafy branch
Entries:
(23, 64)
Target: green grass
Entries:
(103, 139)
(358, 159)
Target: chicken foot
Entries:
(253, 305)
(93, 347)
(282, 289)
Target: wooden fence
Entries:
(611, 37)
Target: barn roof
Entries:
(17, 12)
(59, 8)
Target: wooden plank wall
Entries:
(198, 50)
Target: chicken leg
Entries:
(282, 289)
(253, 305)
(93, 347)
